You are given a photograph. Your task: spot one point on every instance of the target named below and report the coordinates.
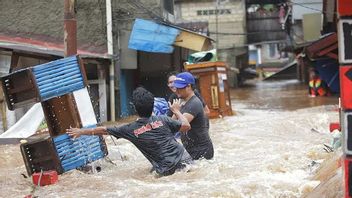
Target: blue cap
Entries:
(183, 79)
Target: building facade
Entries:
(226, 25)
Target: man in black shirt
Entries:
(152, 135)
(197, 140)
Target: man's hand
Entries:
(175, 106)
(74, 132)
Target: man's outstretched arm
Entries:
(76, 132)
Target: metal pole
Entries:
(112, 64)
(216, 24)
(70, 28)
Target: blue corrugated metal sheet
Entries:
(152, 37)
(78, 152)
(58, 77)
(43, 82)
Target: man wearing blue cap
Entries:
(197, 140)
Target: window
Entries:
(169, 6)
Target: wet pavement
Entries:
(270, 148)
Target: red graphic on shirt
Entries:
(147, 127)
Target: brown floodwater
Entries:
(284, 95)
(270, 148)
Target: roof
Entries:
(43, 47)
(324, 46)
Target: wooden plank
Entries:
(205, 65)
(332, 55)
(192, 41)
(324, 44)
(327, 50)
(61, 113)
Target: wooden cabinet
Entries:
(212, 82)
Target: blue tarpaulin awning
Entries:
(152, 37)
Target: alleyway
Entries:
(270, 148)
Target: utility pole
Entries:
(70, 28)
(217, 24)
(109, 42)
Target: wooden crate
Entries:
(62, 153)
(61, 113)
(43, 82)
(40, 154)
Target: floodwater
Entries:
(269, 148)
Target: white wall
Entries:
(301, 7)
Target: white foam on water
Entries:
(258, 153)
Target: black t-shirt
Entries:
(154, 137)
(197, 140)
(174, 96)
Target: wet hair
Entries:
(143, 102)
(194, 87)
(172, 73)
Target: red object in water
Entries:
(46, 178)
(335, 125)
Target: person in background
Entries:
(170, 84)
(152, 135)
(317, 87)
(197, 140)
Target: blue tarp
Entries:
(152, 37)
(328, 70)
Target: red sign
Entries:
(345, 87)
(344, 7)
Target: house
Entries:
(226, 25)
(268, 27)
